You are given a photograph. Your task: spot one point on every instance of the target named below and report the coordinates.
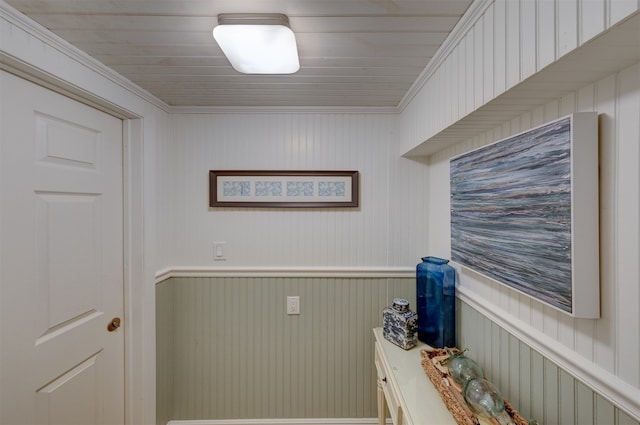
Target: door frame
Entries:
(70, 72)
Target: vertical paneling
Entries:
(414, 198)
(545, 392)
(488, 55)
(478, 65)
(454, 94)
(528, 50)
(584, 399)
(604, 411)
(537, 399)
(513, 384)
(164, 352)
(523, 365)
(500, 46)
(606, 106)
(550, 396)
(620, 9)
(592, 18)
(567, 26)
(231, 351)
(623, 418)
(546, 25)
(463, 89)
(518, 39)
(469, 73)
(628, 222)
(513, 35)
(566, 398)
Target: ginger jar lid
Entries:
(400, 304)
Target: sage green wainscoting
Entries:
(532, 383)
(227, 349)
(164, 351)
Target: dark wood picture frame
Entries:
(283, 188)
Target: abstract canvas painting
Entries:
(524, 212)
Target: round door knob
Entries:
(114, 324)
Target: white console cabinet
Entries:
(405, 388)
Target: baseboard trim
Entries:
(321, 421)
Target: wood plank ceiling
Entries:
(352, 52)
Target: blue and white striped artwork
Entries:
(283, 188)
(511, 212)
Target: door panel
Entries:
(61, 259)
(52, 399)
(61, 273)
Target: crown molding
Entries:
(18, 20)
(282, 109)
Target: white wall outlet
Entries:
(293, 305)
(218, 251)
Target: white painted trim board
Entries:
(302, 272)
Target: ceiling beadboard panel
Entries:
(374, 234)
(352, 53)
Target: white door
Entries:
(61, 259)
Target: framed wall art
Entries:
(524, 212)
(283, 188)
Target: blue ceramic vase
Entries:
(436, 302)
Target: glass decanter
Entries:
(485, 400)
(461, 368)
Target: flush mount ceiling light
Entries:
(258, 43)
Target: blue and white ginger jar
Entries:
(400, 324)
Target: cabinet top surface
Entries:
(421, 401)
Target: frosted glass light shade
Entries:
(258, 44)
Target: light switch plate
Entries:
(293, 305)
(218, 251)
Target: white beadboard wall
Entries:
(376, 234)
(509, 41)
(598, 351)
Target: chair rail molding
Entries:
(308, 272)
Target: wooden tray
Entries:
(451, 392)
